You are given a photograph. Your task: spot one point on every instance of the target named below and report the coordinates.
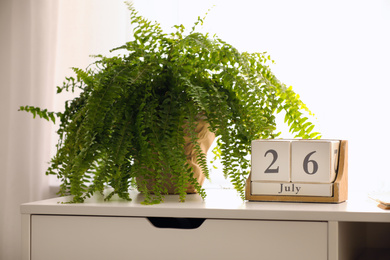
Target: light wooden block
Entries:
(271, 160)
(314, 161)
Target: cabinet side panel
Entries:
(26, 235)
(333, 240)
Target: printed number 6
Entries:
(306, 162)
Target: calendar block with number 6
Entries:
(299, 170)
(314, 161)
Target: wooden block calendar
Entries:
(298, 170)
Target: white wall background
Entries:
(335, 54)
(39, 41)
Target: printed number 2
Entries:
(275, 157)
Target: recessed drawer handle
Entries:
(178, 223)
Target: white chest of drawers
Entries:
(221, 227)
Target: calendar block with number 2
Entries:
(298, 170)
(271, 161)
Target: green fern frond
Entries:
(129, 124)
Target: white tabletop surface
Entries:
(219, 203)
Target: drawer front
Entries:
(84, 237)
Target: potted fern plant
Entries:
(138, 113)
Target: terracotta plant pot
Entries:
(205, 140)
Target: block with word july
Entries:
(271, 160)
(314, 161)
(292, 189)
